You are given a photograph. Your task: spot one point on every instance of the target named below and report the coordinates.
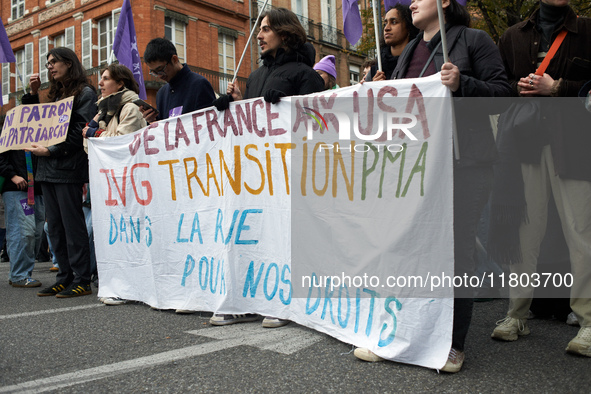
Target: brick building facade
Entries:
(210, 36)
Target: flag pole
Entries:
(18, 72)
(375, 24)
(442, 30)
(248, 41)
(445, 60)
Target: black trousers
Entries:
(472, 186)
(67, 231)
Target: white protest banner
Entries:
(41, 124)
(315, 210)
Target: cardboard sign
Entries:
(41, 124)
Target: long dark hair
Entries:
(406, 18)
(287, 25)
(120, 73)
(75, 80)
(456, 14)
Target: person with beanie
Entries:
(327, 70)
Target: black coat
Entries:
(389, 63)
(186, 89)
(482, 74)
(13, 162)
(68, 163)
(289, 72)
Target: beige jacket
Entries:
(130, 118)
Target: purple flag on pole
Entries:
(6, 54)
(391, 3)
(352, 21)
(125, 46)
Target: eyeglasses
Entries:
(51, 63)
(160, 70)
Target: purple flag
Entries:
(391, 3)
(125, 46)
(6, 54)
(352, 21)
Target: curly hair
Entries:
(406, 18)
(76, 78)
(287, 25)
(120, 73)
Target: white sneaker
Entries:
(274, 322)
(114, 301)
(509, 329)
(572, 319)
(367, 355)
(455, 360)
(581, 344)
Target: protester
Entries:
(185, 90)
(398, 32)
(62, 169)
(117, 115)
(286, 71)
(24, 220)
(553, 158)
(287, 62)
(366, 67)
(327, 70)
(475, 69)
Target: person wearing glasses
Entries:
(62, 170)
(185, 90)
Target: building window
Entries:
(227, 62)
(354, 72)
(18, 9)
(174, 30)
(5, 81)
(329, 21)
(59, 41)
(20, 63)
(106, 34)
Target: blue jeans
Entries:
(24, 228)
(53, 259)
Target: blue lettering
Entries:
(343, 323)
(250, 282)
(328, 300)
(188, 270)
(286, 281)
(267, 296)
(390, 337)
(242, 226)
(203, 283)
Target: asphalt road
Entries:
(79, 345)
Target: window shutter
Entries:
(70, 38)
(87, 44)
(28, 62)
(43, 49)
(115, 14)
(5, 79)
